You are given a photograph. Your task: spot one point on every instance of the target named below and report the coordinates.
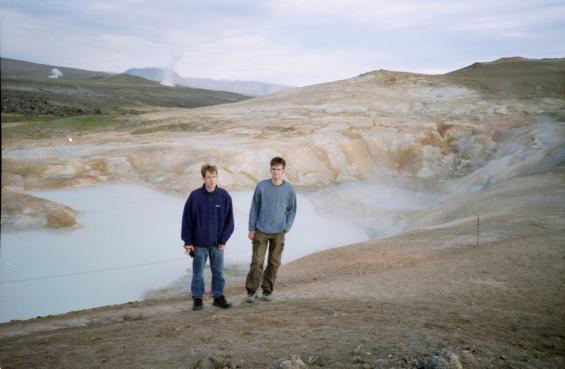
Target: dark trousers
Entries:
(275, 243)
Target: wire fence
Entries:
(93, 271)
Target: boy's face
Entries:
(211, 179)
(277, 171)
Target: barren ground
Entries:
(384, 303)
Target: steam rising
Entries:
(169, 72)
(55, 73)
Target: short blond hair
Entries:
(208, 168)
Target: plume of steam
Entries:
(55, 73)
(169, 71)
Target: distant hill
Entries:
(13, 67)
(127, 79)
(510, 67)
(250, 88)
(27, 89)
(515, 76)
(152, 74)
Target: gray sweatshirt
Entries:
(273, 207)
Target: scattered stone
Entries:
(443, 359)
(128, 317)
(358, 349)
(312, 358)
(289, 362)
(324, 358)
(468, 359)
(329, 312)
(206, 361)
(471, 348)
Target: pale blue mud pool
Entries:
(128, 242)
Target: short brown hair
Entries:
(277, 160)
(208, 168)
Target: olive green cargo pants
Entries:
(256, 275)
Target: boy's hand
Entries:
(189, 249)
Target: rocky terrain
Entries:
(386, 303)
(453, 133)
(441, 294)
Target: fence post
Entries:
(477, 230)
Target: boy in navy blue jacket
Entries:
(207, 224)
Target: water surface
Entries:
(128, 242)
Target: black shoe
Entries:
(221, 302)
(197, 305)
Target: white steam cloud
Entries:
(55, 73)
(169, 72)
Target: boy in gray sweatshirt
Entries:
(273, 209)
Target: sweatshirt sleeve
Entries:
(255, 206)
(291, 211)
(228, 221)
(187, 231)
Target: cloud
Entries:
(54, 41)
(286, 41)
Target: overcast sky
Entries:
(295, 42)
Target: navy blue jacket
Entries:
(207, 220)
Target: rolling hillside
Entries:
(27, 90)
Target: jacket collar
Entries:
(206, 190)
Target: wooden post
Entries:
(477, 230)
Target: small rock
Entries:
(206, 361)
(289, 362)
(357, 349)
(471, 348)
(128, 317)
(324, 358)
(443, 359)
(469, 359)
(358, 360)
